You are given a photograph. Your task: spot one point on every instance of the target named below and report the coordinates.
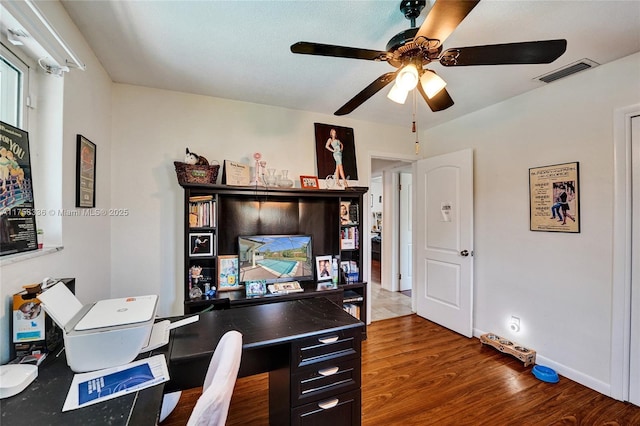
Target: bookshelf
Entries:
(215, 215)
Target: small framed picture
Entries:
(309, 182)
(256, 288)
(323, 268)
(201, 244)
(228, 273)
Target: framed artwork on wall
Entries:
(335, 152)
(17, 213)
(85, 172)
(554, 198)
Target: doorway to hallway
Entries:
(389, 261)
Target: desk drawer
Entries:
(341, 410)
(344, 343)
(325, 379)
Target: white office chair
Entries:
(213, 405)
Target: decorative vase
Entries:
(284, 181)
(270, 178)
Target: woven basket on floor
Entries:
(192, 173)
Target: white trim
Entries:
(621, 274)
(563, 370)
(19, 257)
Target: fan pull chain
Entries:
(414, 126)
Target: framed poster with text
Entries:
(85, 173)
(554, 198)
(17, 214)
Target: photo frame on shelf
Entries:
(235, 173)
(85, 172)
(256, 288)
(228, 273)
(201, 244)
(554, 198)
(309, 182)
(323, 268)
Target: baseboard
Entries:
(565, 371)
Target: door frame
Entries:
(385, 255)
(621, 295)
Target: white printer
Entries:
(104, 334)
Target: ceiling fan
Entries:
(410, 51)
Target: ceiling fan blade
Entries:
(308, 48)
(443, 18)
(530, 52)
(440, 101)
(377, 85)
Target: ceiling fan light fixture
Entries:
(432, 83)
(407, 78)
(398, 94)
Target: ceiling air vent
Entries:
(581, 65)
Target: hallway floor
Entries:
(384, 303)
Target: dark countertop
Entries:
(261, 325)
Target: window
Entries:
(13, 88)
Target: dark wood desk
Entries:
(41, 403)
(297, 342)
(280, 338)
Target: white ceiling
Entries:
(240, 49)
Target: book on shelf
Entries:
(349, 213)
(349, 238)
(353, 310)
(284, 288)
(354, 213)
(202, 212)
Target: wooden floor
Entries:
(415, 372)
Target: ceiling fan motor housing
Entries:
(411, 9)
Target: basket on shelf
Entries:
(193, 173)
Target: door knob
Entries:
(464, 253)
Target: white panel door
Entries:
(634, 355)
(444, 240)
(406, 243)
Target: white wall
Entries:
(86, 240)
(151, 129)
(559, 284)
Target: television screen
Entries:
(275, 258)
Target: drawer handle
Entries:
(329, 339)
(325, 405)
(328, 371)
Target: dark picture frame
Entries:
(201, 244)
(309, 182)
(85, 172)
(554, 198)
(326, 164)
(18, 232)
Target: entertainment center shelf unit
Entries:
(222, 213)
